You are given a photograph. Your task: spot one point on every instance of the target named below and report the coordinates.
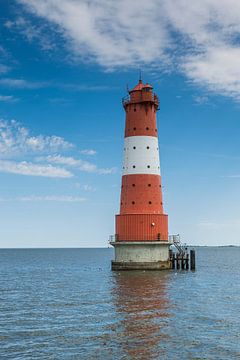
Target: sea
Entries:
(68, 304)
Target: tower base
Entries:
(141, 255)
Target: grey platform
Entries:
(141, 255)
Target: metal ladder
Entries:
(175, 239)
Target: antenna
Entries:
(140, 75)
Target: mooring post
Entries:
(173, 261)
(178, 263)
(183, 262)
(187, 261)
(192, 259)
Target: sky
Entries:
(65, 66)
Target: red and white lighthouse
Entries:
(141, 240)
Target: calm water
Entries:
(67, 304)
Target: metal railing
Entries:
(127, 99)
(175, 240)
(113, 238)
(148, 237)
(172, 239)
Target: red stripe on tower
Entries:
(141, 215)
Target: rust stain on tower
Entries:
(141, 237)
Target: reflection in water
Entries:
(142, 301)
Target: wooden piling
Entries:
(183, 261)
(178, 262)
(173, 261)
(187, 261)
(192, 260)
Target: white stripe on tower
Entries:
(141, 155)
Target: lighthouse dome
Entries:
(140, 86)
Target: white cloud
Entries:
(34, 198)
(88, 87)
(87, 187)
(200, 100)
(4, 58)
(22, 83)
(4, 68)
(107, 171)
(79, 164)
(202, 37)
(15, 139)
(29, 85)
(31, 32)
(88, 152)
(17, 143)
(114, 32)
(64, 160)
(8, 98)
(26, 168)
(217, 68)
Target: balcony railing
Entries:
(173, 238)
(142, 98)
(113, 238)
(126, 100)
(148, 237)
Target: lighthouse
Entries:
(141, 229)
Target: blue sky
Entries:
(64, 67)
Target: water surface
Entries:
(67, 304)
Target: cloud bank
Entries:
(26, 168)
(199, 39)
(15, 139)
(79, 164)
(39, 155)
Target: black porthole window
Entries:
(149, 185)
(148, 147)
(150, 202)
(133, 202)
(148, 166)
(134, 166)
(133, 185)
(134, 147)
(147, 128)
(134, 129)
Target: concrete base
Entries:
(161, 265)
(141, 255)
